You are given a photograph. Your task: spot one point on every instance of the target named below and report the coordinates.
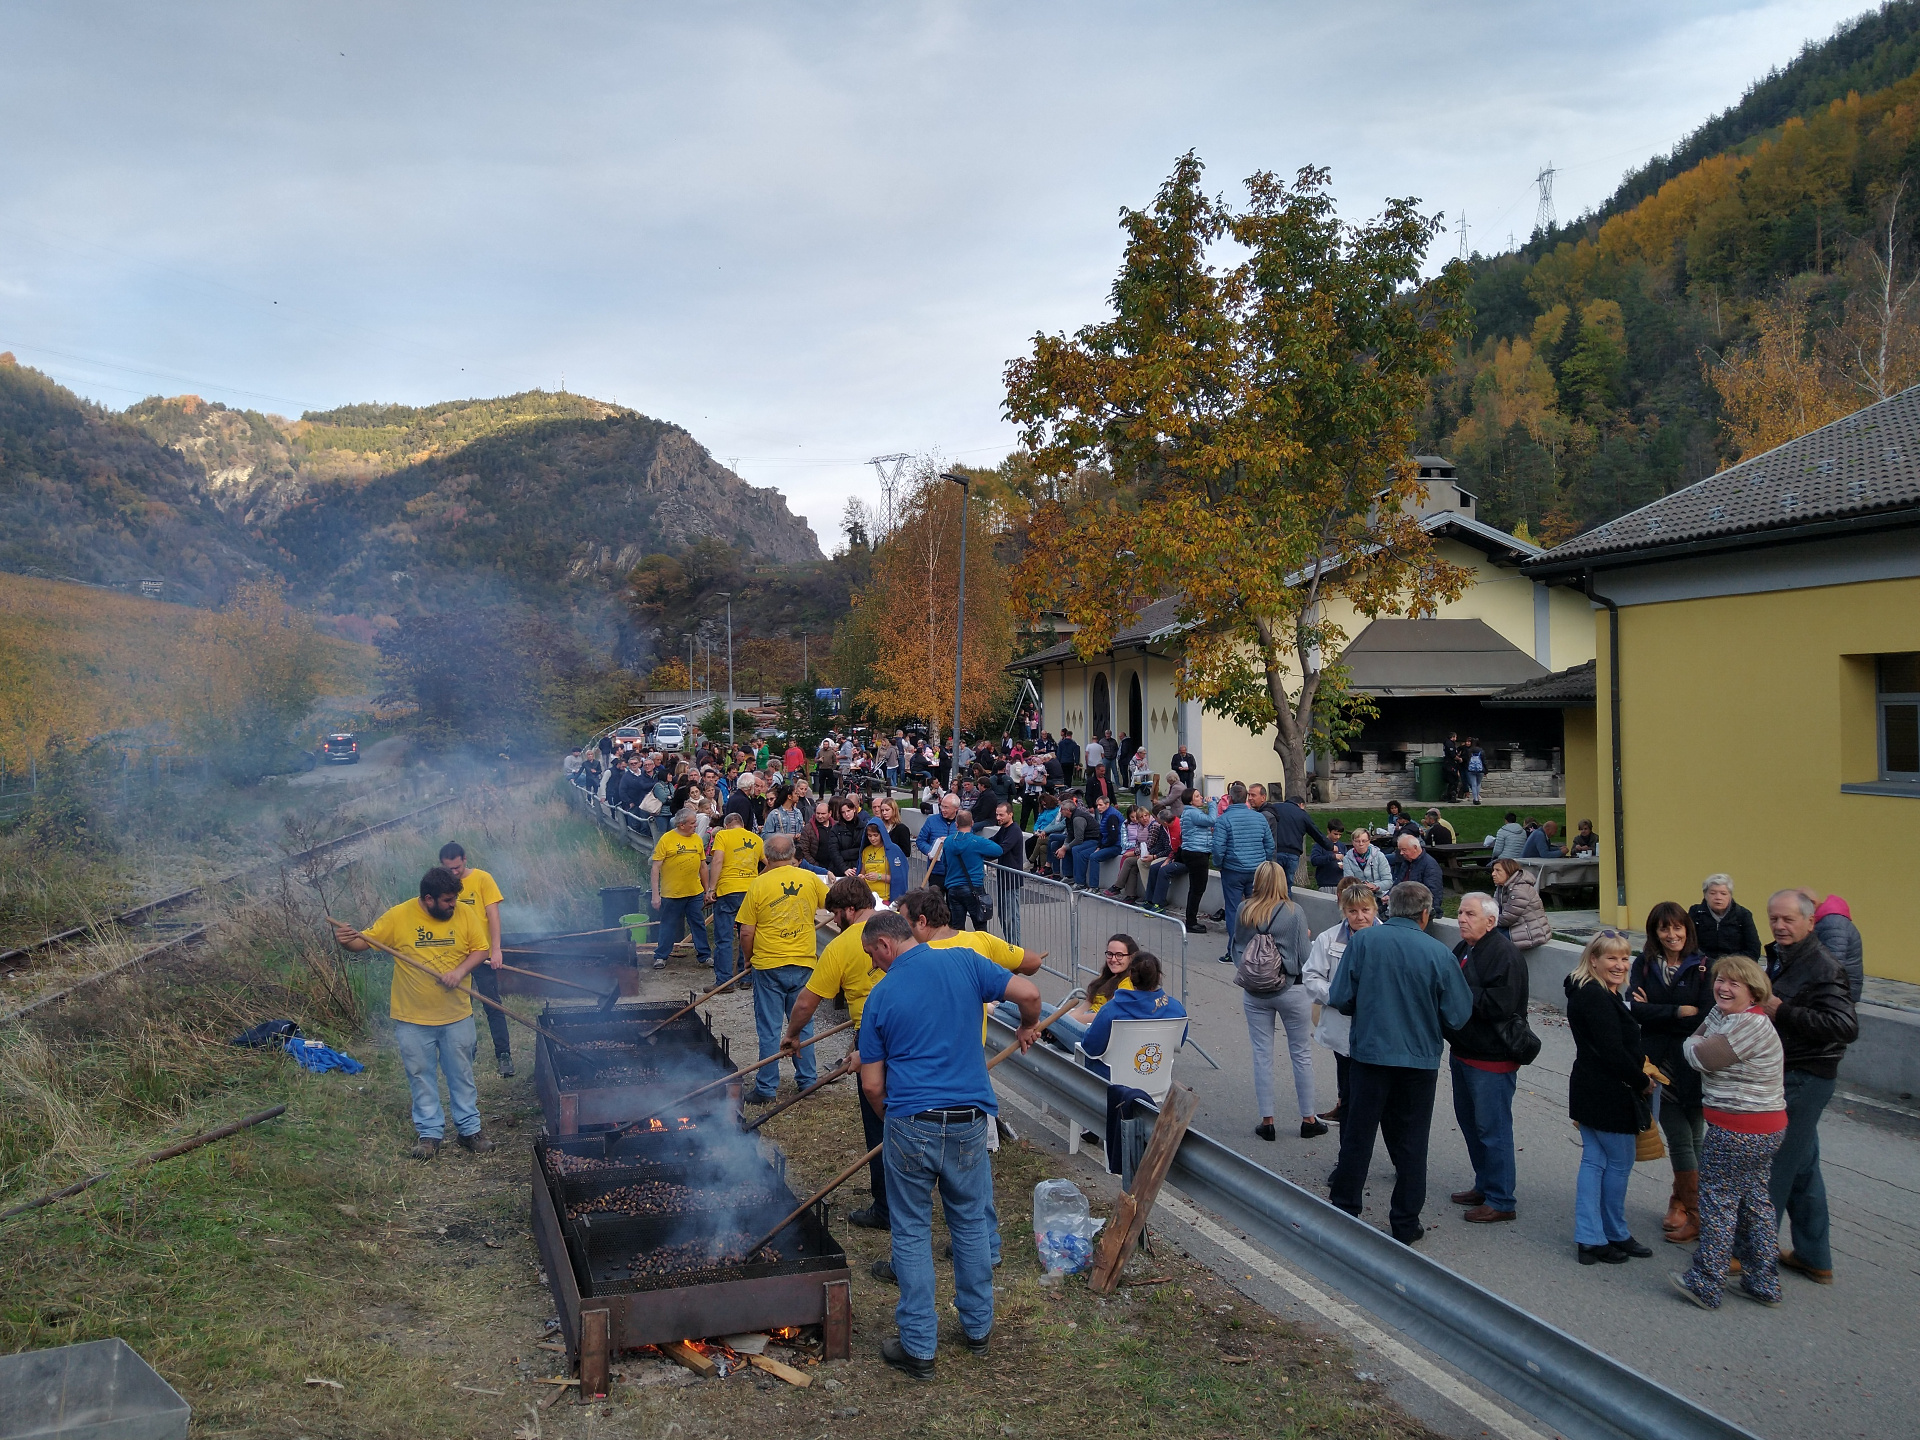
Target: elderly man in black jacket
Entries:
(1421, 868)
(1813, 1011)
(1722, 927)
(1484, 1067)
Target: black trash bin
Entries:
(618, 900)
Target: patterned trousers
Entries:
(1736, 1216)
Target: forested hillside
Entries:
(1752, 295)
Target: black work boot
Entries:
(912, 1366)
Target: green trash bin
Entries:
(1426, 783)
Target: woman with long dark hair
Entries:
(1112, 978)
(1670, 989)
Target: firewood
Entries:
(784, 1372)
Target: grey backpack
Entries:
(1259, 970)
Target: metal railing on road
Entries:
(1540, 1368)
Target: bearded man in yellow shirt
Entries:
(678, 874)
(482, 896)
(433, 1014)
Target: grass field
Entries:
(309, 1249)
(80, 661)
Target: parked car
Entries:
(341, 748)
(670, 733)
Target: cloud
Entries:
(808, 233)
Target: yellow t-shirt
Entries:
(440, 945)
(780, 905)
(741, 852)
(844, 967)
(680, 856)
(875, 871)
(477, 891)
(1007, 957)
(1097, 1001)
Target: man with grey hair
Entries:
(1812, 1008)
(1485, 1063)
(1418, 866)
(1404, 990)
(778, 939)
(679, 889)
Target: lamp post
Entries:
(727, 595)
(959, 626)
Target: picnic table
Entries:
(1563, 875)
(1462, 865)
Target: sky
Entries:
(809, 233)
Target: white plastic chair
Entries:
(1139, 1053)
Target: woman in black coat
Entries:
(1721, 927)
(1671, 988)
(1604, 1097)
(840, 843)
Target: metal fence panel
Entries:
(1037, 913)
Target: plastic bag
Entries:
(321, 1058)
(1063, 1230)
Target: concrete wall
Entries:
(1583, 781)
(1742, 717)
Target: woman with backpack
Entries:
(1274, 940)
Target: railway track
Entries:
(151, 917)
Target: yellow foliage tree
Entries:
(911, 608)
(252, 672)
(670, 675)
(1778, 389)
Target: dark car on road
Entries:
(341, 748)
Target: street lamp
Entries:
(727, 595)
(959, 627)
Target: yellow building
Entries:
(1427, 675)
(1757, 690)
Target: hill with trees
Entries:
(1723, 301)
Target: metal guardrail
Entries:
(1540, 1368)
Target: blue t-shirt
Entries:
(924, 1024)
(967, 855)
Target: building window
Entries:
(1898, 702)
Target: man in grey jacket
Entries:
(1242, 841)
(1509, 840)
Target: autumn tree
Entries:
(906, 615)
(670, 675)
(251, 672)
(1779, 387)
(1240, 437)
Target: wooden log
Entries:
(779, 1371)
(1131, 1210)
(685, 1354)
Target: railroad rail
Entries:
(21, 958)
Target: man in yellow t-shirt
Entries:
(777, 938)
(731, 868)
(433, 1018)
(845, 968)
(479, 894)
(679, 889)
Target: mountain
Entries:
(1602, 353)
(88, 495)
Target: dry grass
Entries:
(309, 1247)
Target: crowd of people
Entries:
(1672, 1041)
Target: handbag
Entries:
(1522, 1045)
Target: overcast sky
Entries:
(810, 233)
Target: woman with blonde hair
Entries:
(1608, 1095)
(1743, 1095)
(1359, 909)
(1269, 913)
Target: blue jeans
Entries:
(774, 992)
(1160, 880)
(1600, 1194)
(427, 1052)
(919, 1152)
(1088, 856)
(725, 908)
(683, 912)
(1799, 1190)
(1234, 885)
(1474, 777)
(1483, 1104)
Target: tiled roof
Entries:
(1562, 688)
(1866, 463)
(1158, 619)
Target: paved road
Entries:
(1832, 1361)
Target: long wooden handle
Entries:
(772, 1059)
(205, 1137)
(467, 990)
(814, 1199)
(738, 976)
(1065, 1005)
(845, 1067)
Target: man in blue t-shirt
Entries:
(922, 1066)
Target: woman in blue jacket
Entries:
(1196, 854)
(1145, 1001)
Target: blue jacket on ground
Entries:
(1242, 839)
(1126, 1005)
(933, 828)
(1402, 987)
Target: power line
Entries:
(1544, 218)
(891, 469)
